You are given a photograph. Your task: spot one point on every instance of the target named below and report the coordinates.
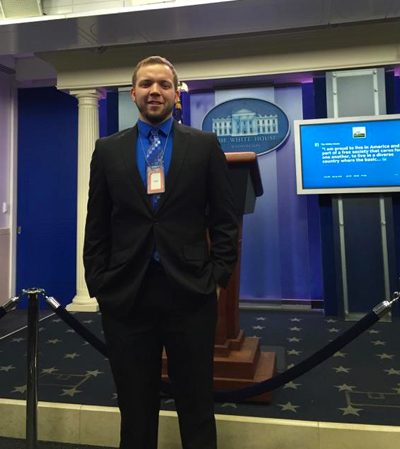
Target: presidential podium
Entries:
(238, 360)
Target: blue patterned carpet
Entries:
(361, 384)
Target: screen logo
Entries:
(359, 132)
(248, 124)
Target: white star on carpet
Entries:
(85, 343)
(258, 327)
(339, 354)
(70, 392)
(350, 410)
(345, 387)
(295, 329)
(69, 331)
(291, 385)
(341, 369)
(94, 373)
(392, 371)
(229, 404)
(20, 389)
(296, 320)
(378, 343)
(384, 356)
(294, 352)
(397, 390)
(169, 401)
(49, 370)
(7, 368)
(260, 318)
(334, 329)
(54, 342)
(331, 321)
(56, 320)
(290, 366)
(373, 331)
(88, 321)
(42, 329)
(288, 407)
(114, 396)
(17, 340)
(71, 356)
(294, 339)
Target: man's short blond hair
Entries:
(152, 60)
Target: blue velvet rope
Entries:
(303, 367)
(262, 387)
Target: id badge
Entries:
(155, 180)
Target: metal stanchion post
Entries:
(32, 374)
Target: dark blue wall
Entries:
(47, 191)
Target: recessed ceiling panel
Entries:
(21, 8)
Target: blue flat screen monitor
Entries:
(348, 155)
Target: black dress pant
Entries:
(185, 326)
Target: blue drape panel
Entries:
(281, 254)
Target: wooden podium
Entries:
(238, 361)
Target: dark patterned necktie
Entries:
(155, 159)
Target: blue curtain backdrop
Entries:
(47, 178)
(281, 257)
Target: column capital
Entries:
(97, 93)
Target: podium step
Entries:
(265, 369)
(239, 364)
(245, 367)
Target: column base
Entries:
(83, 304)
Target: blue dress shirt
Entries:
(165, 134)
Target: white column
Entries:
(88, 133)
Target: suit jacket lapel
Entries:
(128, 147)
(179, 150)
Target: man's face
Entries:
(154, 93)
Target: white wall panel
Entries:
(4, 265)
(5, 124)
(8, 134)
(5, 150)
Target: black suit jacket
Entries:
(122, 228)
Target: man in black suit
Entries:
(154, 190)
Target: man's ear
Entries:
(133, 95)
